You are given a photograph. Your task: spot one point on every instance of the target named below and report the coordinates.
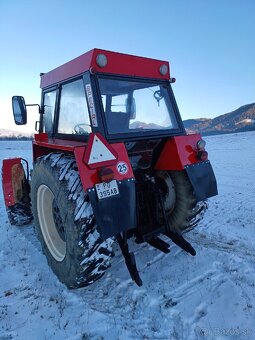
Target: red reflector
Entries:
(105, 174)
(202, 155)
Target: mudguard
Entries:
(202, 178)
(16, 192)
(115, 214)
(178, 152)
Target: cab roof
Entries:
(117, 63)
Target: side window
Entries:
(119, 103)
(73, 110)
(49, 107)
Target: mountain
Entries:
(14, 135)
(240, 120)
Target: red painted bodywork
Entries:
(89, 177)
(178, 152)
(8, 179)
(42, 145)
(117, 63)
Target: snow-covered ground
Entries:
(209, 296)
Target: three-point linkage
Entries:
(156, 242)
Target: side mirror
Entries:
(19, 110)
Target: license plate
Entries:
(105, 190)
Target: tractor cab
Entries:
(123, 97)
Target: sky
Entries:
(210, 45)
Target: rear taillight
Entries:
(105, 174)
(202, 155)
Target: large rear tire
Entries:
(65, 223)
(182, 209)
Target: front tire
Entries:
(65, 223)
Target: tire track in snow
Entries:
(234, 246)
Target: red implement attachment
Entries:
(13, 176)
(16, 192)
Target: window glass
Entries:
(49, 107)
(73, 110)
(119, 103)
(132, 106)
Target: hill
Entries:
(239, 120)
(14, 135)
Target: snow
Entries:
(246, 121)
(211, 295)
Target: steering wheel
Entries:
(79, 129)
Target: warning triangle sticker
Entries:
(99, 152)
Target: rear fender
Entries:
(122, 168)
(180, 153)
(117, 213)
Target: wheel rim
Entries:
(50, 227)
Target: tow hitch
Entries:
(155, 242)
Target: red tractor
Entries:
(112, 161)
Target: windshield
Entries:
(132, 106)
